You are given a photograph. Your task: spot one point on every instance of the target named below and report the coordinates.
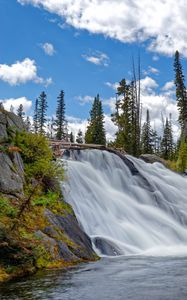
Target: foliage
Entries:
(61, 123)
(126, 118)
(37, 156)
(41, 112)
(181, 94)
(72, 137)
(167, 145)
(147, 136)
(95, 133)
(36, 117)
(20, 111)
(6, 208)
(182, 158)
(79, 138)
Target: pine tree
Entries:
(28, 124)
(60, 117)
(36, 117)
(52, 127)
(181, 94)
(42, 109)
(79, 138)
(126, 118)
(167, 147)
(95, 133)
(20, 111)
(147, 136)
(122, 116)
(72, 140)
(156, 140)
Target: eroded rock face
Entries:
(11, 165)
(64, 238)
(11, 179)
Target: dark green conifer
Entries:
(95, 133)
(36, 117)
(79, 138)
(42, 110)
(147, 136)
(167, 147)
(60, 117)
(20, 111)
(72, 140)
(181, 94)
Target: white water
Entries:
(141, 214)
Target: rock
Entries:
(11, 165)
(3, 119)
(71, 241)
(3, 133)
(18, 162)
(152, 158)
(107, 247)
(55, 247)
(14, 121)
(11, 183)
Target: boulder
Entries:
(71, 243)
(3, 133)
(11, 182)
(152, 158)
(11, 165)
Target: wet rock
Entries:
(65, 230)
(107, 247)
(152, 158)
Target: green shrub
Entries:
(6, 208)
(47, 199)
(37, 156)
(182, 158)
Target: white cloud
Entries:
(169, 86)
(84, 100)
(48, 49)
(15, 102)
(113, 86)
(159, 103)
(110, 128)
(21, 72)
(151, 70)
(155, 57)
(148, 85)
(98, 58)
(162, 23)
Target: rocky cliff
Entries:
(45, 235)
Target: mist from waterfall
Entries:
(130, 208)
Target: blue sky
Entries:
(82, 48)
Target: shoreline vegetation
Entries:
(38, 229)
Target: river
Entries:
(119, 278)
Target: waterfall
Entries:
(127, 207)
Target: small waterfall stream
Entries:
(126, 212)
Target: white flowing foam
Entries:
(140, 214)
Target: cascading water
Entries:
(127, 207)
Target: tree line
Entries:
(132, 136)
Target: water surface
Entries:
(120, 278)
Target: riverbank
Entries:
(38, 229)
